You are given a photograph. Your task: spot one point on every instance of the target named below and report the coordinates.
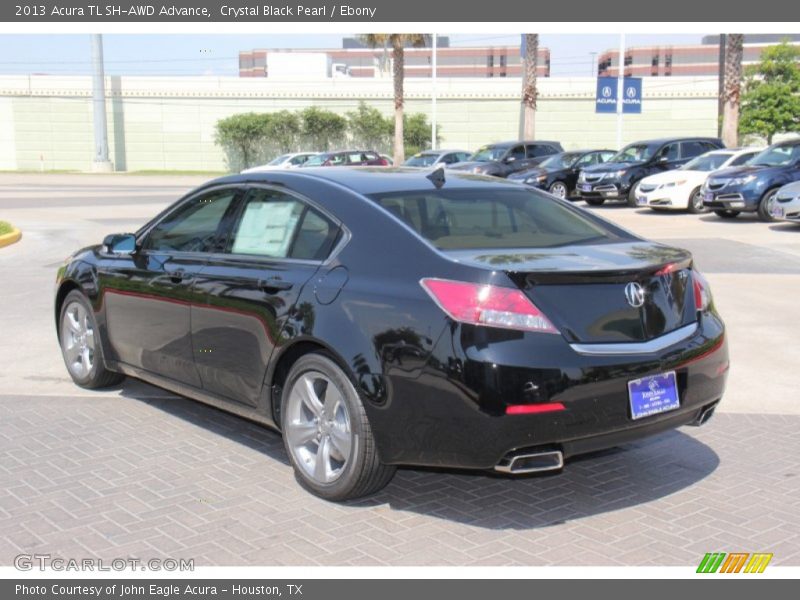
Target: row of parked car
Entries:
(692, 174)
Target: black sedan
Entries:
(558, 174)
(503, 158)
(391, 317)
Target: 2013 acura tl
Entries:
(382, 318)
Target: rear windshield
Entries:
(493, 218)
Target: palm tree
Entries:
(398, 42)
(732, 89)
(529, 91)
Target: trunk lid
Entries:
(584, 289)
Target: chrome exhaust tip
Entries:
(520, 462)
(705, 414)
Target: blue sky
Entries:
(186, 54)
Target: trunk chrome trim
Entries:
(649, 347)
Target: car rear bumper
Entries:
(453, 414)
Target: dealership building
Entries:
(355, 59)
(694, 60)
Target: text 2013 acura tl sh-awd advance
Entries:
(382, 318)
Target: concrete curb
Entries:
(9, 238)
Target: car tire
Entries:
(327, 434)
(559, 190)
(695, 205)
(727, 214)
(594, 201)
(81, 346)
(765, 204)
(632, 195)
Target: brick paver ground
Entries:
(135, 476)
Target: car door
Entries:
(148, 294)
(513, 160)
(247, 292)
(668, 157)
(693, 148)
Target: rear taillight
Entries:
(702, 293)
(383, 162)
(487, 305)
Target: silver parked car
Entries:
(787, 203)
(435, 158)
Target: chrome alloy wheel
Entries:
(77, 340)
(318, 427)
(559, 190)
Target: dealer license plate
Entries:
(653, 395)
(586, 188)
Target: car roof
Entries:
(515, 142)
(370, 180)
(683, 138)
(429, 151)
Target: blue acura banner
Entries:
(606, 98)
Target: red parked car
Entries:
(347, 158)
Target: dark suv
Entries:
(752, 187)
(347, 158)
(617, 178)
(504, 158)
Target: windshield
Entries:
(488, 153)
(707, 162)
(421, 160)
(462, 219)
(776, 156)
(633, 153)
(280, 160)
(316, 161)
(561, 161)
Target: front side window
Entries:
(633, 153)
(197, 226)
(276, 225)
(707, 162)
(517, 152)
(496, 218)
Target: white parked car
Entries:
(679, 189)
(787, 203)
(284, 161)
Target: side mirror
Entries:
(662, 160)
(509, 159)
(120, 243)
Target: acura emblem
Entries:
(634, 294)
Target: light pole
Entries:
(433, 94)
(620, 86)
(101, 162)
(592, 69)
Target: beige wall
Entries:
(168, 123)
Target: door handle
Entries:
(179, 276)
(274, 284)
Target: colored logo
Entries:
(735, 562)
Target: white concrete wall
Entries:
(168, 122)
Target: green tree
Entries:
(771, 98)
(369, 129)
(242, 137)
(417, 133)
(398, 42)
(322, 129)
(282, 131)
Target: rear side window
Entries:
(276, 225)
(692, 149)
(492, 218)
(536, 150)
(740, 160)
